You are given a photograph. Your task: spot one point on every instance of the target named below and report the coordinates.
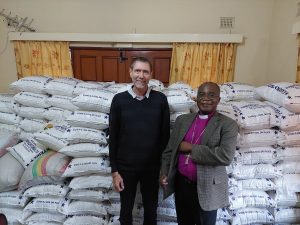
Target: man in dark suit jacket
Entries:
(194, 162)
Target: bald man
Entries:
(194, 162)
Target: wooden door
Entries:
(100, 64)
(95, 65)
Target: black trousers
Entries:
(188, 209)
(149, 189)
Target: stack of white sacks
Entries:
(264, 178)
(54, 166)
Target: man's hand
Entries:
(163, 181)
(185, 147)
(118, 181)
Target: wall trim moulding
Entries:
(126, 38)
(296, 28)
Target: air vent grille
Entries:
(227, 22)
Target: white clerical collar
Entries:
(203, 117)
(134, 95)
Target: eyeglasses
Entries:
(209, 96)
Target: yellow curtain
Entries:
(298, 64)
(195, 63)
(51, 58)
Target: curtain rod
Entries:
(127, 38)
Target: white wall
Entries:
(266, 25)
(283, 52)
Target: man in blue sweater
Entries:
(139, 129)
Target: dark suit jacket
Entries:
(215, 152)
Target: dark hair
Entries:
(141, 59)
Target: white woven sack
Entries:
(179, 100)
(261, 184)
(165, 203)
(46, 169)
(7, 103)
(226, 109)
(61, 86)
(223, 214)
(117, 88)
(287, 215)
(85, 220)
(290, 167)
(9, 118)
(94, 101)
(47, 190)
(288, 182)
(291, 153)
(255, 171)
(166, 213)
(31, 112)
(256, 155)
(247, 216)
(106, 83)
(88, 119)
(90, 195)
(13, 215)
(32, 99)
(252, 115)
(88, 165)
(239, 91)
(282, 118)
(9, 128)
(39, 218)
(223, 95)
(63, 102)
(76, 135)
(13, 199)
(43, 223)
(86, 86)
(287, 199)
(27, 151)
(113, 196)
(85, 150)
(7, 139)
(32, 125)
(259, 138)
(156, 84)
(74, 207)
(284, 94)
(114, 220)
(250, 198)
(218, 222)
(180, 85)
(55, 114)
(24, 135)
(53, 137)
(34, 84)
(44, 205)
(114, 209)
(173, 117)
(91, 181)
(11, 172)
(290, 138)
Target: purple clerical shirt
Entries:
(186, 166)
